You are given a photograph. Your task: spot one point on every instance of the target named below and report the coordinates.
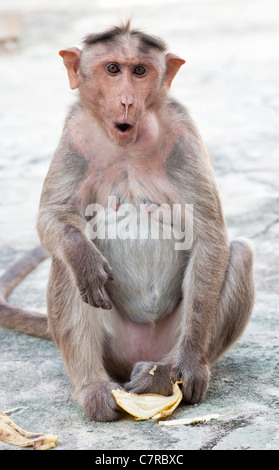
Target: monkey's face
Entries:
(123, 83)
(121, 86)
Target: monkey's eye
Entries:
(139, 70)
(113, 68)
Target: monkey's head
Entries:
(123, 76)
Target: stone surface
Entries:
(230, 84)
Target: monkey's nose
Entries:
(127, 102)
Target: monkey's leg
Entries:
(78, 330)
(232, 315)
(236, 300)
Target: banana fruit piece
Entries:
(13, 434)
(148, 405)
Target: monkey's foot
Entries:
(98, 402)
(195, 379)
(150, 377)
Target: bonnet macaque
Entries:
(142, 268)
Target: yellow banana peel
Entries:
(148, 405)
(11, 433)
(194, 420)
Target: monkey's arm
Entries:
(61, 229)
(202, 285)
(209, 258)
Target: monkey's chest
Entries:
(147, 266)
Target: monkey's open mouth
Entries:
(123, 126)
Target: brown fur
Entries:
(117, 306)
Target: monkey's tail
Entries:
(14, 318)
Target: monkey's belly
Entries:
(148, 268)
(148, 277)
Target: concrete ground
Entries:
(230, 84)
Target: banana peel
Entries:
(11, 433)
(194, 420)
(148, 405)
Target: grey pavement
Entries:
(230, 84)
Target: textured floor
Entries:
(230, 84)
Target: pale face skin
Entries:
(123, 87)
(122, 100)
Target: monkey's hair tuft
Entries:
(125, 29)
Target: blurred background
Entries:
(230, 85)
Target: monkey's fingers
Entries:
(195, 383)
(104, 304)
(84, 295)
(95, 298)
(107, 305)
(109, 272)
(193, 392)
(99, 299)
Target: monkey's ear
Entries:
(71, 58)
(173, 65)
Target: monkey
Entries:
(119, 304)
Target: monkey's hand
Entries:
(90, 270)
(95, 273)
(150, 377)
(92, 274)
(98, 402)
(195, 376)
